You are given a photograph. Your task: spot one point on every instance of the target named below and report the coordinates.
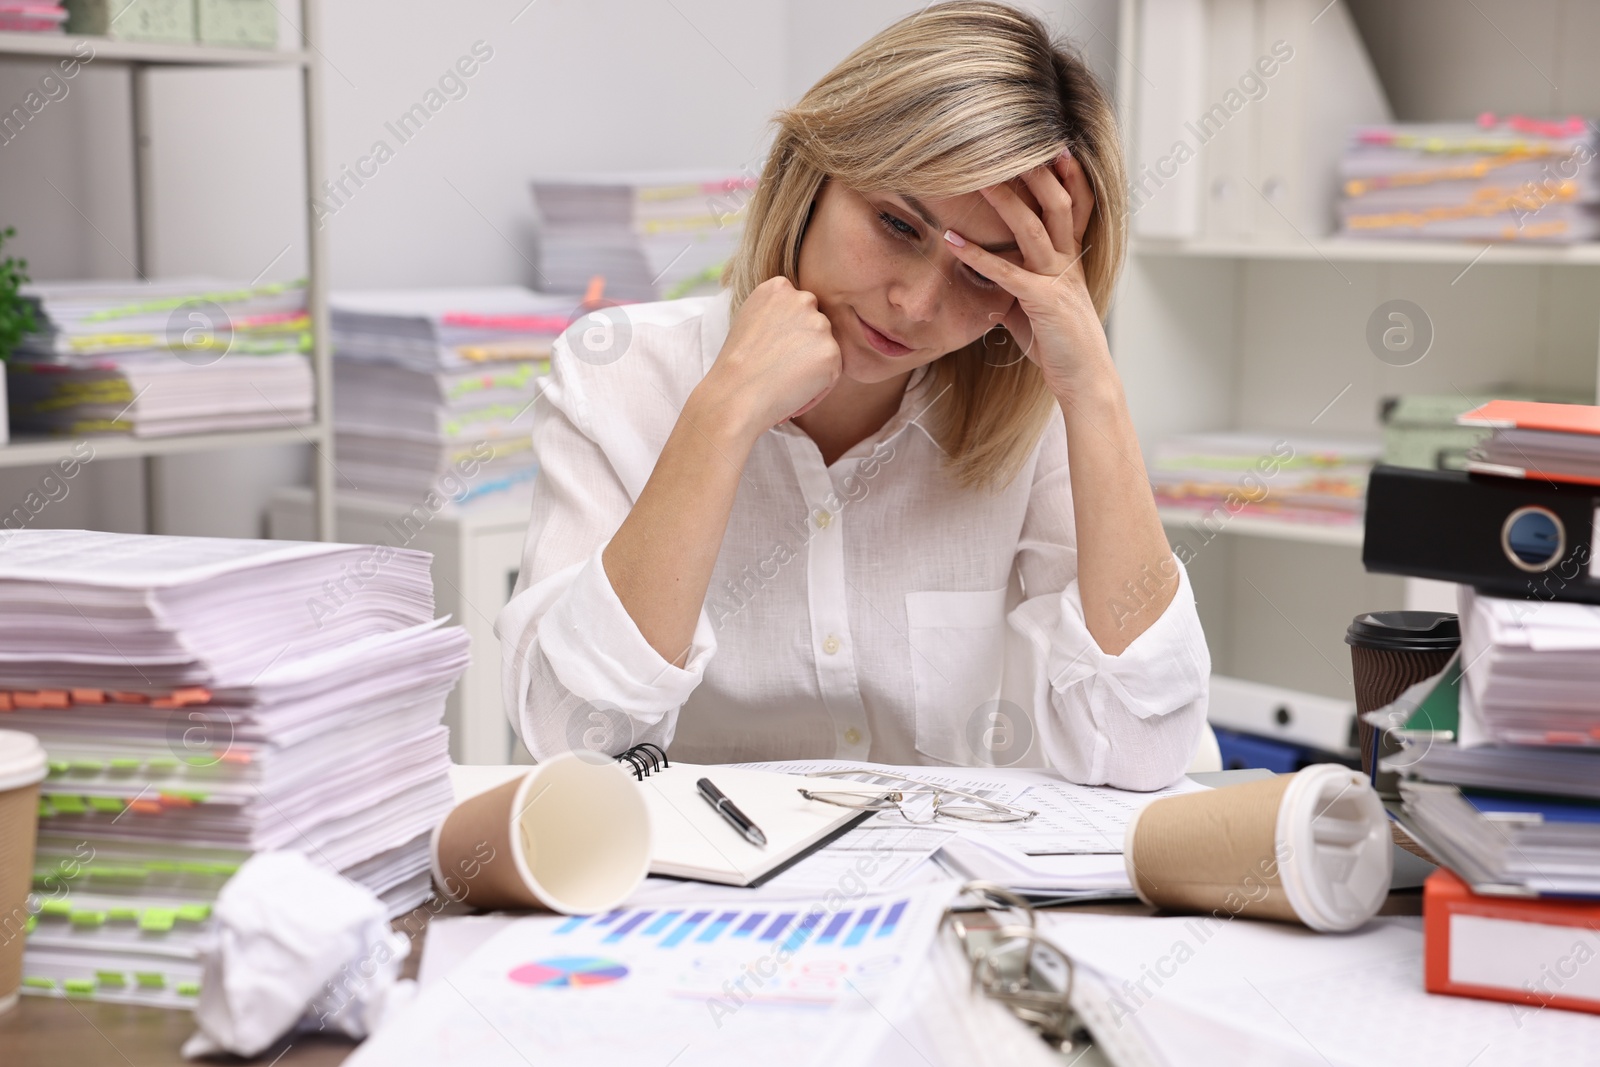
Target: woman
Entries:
(882, 498)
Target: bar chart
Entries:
(786, 928)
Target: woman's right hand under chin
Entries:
(779, 360)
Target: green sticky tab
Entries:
(226, 869)
(158, 920)
(111, 804)
(125, 763)
(88, 917)
(115, 979)
(194, 868)
(122, 915)
(46, 809)
(88, 766)
(189, 989)
(59, 766)
(161, 764)
(150, 979)
(39, 983)
(79, 987)
(194, 913)
(68, 804)
(27, 927)
(56, 909)
(162, 866)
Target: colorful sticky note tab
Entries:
(158, 920)
(114, 979)
(111, 804)
(55, 909)
(88, 917)
(68, 804)
(150, 979)
(194, 913)
(122, 915)
(189, 989)
(39, 983)
(79, 987)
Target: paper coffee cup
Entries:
(22, 768)
(571, 835)
(1311, 847)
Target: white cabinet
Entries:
(1267, 332)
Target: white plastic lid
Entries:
(1335, 852)
(22, 760)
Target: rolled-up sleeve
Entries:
(1131, 720)
(575, 668)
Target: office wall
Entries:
(558, 86)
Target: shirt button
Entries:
(823, 518)
(852, 736)
(831, 645)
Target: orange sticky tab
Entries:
(596, 291)
(54, 698)
(88, 696)
(129, 698)
(5, 700)
(24, 699)
(145, 807)
(192, 695)
(164, 702)
(170, 801)
(234, 755)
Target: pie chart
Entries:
(569, 972)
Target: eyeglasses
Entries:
(944, 802)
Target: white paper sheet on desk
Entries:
(1072, 818)
(632, 988)
(1205, 991)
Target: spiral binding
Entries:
(644, 758)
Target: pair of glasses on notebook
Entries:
(894, 793)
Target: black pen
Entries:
(726, 808)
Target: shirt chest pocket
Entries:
(957, 663)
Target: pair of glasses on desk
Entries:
(895, 792)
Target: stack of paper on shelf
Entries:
(1322, 480)
(652, 236)
(158, 358)
(435, 390)
(31, 16)
(1508, 179)
(204, 699)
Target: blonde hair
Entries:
(957, 97)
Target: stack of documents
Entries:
(1513, 179)
(1542, 441)
(435, 390)
(652, 236)
(204, 699)
(1500, 752)
(159, 358)
(1314, 480)
(31, 16)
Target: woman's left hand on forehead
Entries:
(1054, 318)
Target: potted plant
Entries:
(16, 319)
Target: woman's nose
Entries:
(919, 293)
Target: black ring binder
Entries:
(644, 758)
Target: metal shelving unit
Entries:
(141, 57)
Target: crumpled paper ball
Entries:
(295, 946)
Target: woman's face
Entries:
(882, 272)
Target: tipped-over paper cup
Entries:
(571, 835)
(22, 768)
(1310, 847)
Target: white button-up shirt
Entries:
(871, 609)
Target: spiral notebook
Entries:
(691, 840)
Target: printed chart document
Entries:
(780, 985)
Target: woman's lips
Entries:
(880, 341)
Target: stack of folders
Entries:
(1506, 179)
(204, 699)
(30, 16)
(159, 358)
(1280, 476)
(1559, 442)
(435, 390)
(652, 236)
